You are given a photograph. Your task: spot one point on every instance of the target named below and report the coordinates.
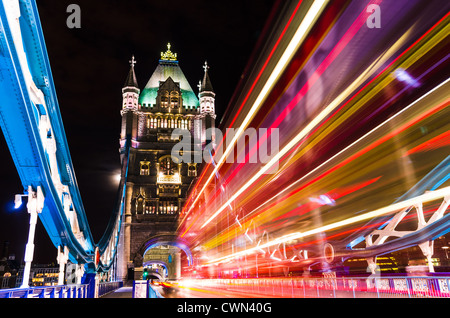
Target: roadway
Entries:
(183, 291)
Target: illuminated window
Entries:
(192, 171)
(165, 99)
(183, 124)
(151, 122)
(168, 207)
(145, 168)
(167, 166)
(174, 99)
(150, 207)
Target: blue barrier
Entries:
(143, 289)
(66, 291)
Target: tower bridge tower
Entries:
(157, 183)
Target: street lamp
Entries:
(34, 206)
(18, 200)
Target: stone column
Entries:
(177, 261)
(123, 256)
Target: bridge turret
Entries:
(130, 106)
(130, 90)
(207, 115)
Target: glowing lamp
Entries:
(17, 201)
(145, 274)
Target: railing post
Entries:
(34, 206)
(292, 286)
(317, 287)
(353, 287)
(376, 286)
(407, 287)
(334, 285)
(304, 289)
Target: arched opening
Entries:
(156, 270)
(167, 252)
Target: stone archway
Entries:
(165, 249)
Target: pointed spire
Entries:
(206, 85)
(131, 79)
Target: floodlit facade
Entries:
(157, 182)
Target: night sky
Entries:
(89, 67)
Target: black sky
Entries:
(89, 67)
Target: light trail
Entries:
(299, 36)
(248, 95)
(327, 111)
(427, 197)
(361, 140)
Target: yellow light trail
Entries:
(326, 112)
(313, 13)
(427, 197)
(441, 101)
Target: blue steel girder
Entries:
(19, 120)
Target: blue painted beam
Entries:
(19, 122)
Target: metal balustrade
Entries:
(107, 287)
(64, 291)
(338, 287)
(61, 291)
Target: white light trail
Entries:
(302, 134)
(427, 197)
(311, 16)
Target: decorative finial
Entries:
(199, 85)
(206, 67)
(133, 61)
(168, 56)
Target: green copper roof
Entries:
(161, 73)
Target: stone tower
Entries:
(157, 183)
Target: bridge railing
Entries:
(338, 287)
(107, 287)
(62, 291)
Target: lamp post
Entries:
(34, 206)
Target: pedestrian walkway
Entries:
(123, 292)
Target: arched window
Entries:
(151, 122)
(150, 207)
(145, 168)
(174, 99)
(192, 171)
(164, 99)
(139, 205)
